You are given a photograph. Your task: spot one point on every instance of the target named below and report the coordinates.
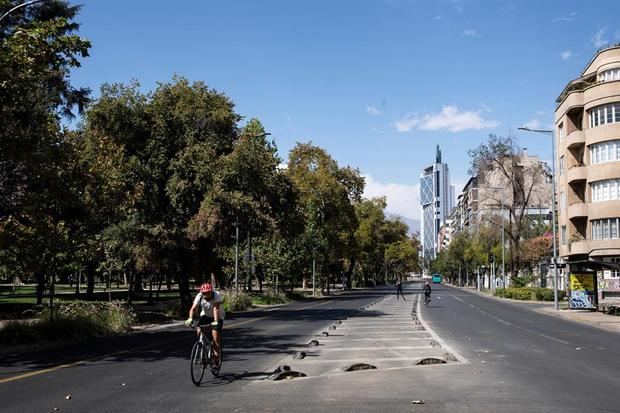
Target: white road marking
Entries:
(323, 350)
(553, 338)
(436, 337)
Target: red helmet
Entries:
(206, 288)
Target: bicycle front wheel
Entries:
(197, 366)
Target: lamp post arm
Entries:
(19, 6)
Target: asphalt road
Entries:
(150, 371)
(511, 359)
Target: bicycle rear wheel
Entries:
(197, 367)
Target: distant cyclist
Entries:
(427, 293)
(212, 312)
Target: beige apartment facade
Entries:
(587, 132)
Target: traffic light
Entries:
(491, 257)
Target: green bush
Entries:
(270, 297)
(113, 317)
(237, 301)
(73, 321)
(19, 332)
(528, 293)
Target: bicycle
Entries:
(427, 300)
(201, 356)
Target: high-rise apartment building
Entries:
(437, 199)
(587, 132)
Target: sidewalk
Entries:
(593, 318)
(600, 320)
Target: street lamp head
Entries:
(525, 128)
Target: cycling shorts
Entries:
(204, 320)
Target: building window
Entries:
(562, 200)
(563, 234)
(605, 152)
(609, 75)
(604, 114)
(606, 228)
(562, 165)
(607, 190)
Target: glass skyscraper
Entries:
(437, 200)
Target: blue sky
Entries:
(376, 83)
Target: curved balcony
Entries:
(577, 174)
(578, 210)
(575, 139)
(579, 247)
(603, 171)
(603, 209)
(574, 99)
(603, 133)
(601, 93)
(604, 247)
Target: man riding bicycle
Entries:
(212, 312)
(427, 293)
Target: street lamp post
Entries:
(19, 6)
(555, 251)
(236, 257)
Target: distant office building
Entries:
(437, 199)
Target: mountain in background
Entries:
(413, 224)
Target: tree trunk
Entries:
(349, 275)
(129, 287)
(90, 285)
(184, 293)
(40, 287)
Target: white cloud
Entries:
(471, 33)
(540, 112)
(536, 123)
(407, 123)
(373, 110)
(533, 124)
(448, 119)
(598, 40)
(457, 5)
(570, 18)
(566, 54)
(438, 17)
(401, 199)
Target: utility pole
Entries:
(237, 257)
(313, 277)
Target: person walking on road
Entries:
(427, 293)
(399, 289)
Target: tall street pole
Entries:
(313, 277)
(503, 263)
(555, 250)
(236, 257)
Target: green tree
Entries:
(38, 201)
(327, 194)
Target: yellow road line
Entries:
(64, 366)
(37, 372)
(313, 305)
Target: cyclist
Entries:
(427, 293)
(212, 312)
